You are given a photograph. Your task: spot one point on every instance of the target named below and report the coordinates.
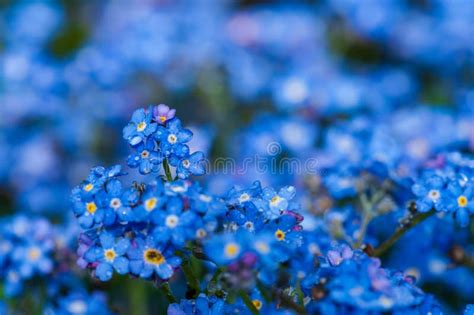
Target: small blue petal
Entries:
(121, 264)
(104, 271)
(106, 240)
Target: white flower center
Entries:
(115, 203)
(244, 197)
(186, 163)
(205, 198)
(295, 90)
(386, 302)
(77, 307)
(172, 221)
(262, 247)
(200, 233)
(172, 138)
(434, 194)
(314, 249)
(178, 189)
(249, 225)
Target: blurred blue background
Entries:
(342, 81)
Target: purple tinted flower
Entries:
(85, 243)
(249, 259)
(338, 255)
(162, 113)
(378, 276)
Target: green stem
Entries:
(191, 280)
(197, 253)
(167, 169)
(212, 285)
(367, 217)
(468, 261)
(267, 296)
(248, 302)
(166, 289)
(288, 302)
(138, 297)
(399, 232)
(367, 213)
(299, 293)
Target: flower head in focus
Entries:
(162, 113)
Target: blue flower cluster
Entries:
(447, 188)
(156, 136)
(215, 306)
(29, 247)
(79, 302)
(202, 305)
(26, 252)
(347, 280)
(260, 231)
(251, 244)
(139, 231)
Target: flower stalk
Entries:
(399, 232)
(166, 290)
(167, 169)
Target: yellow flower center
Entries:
(88, 187)
(145, 154)
(110, 254)
(141, 126)
(150, 204)
(34, 253)
(257, 304)
(162, 118)
(231, 250)
(280, 235)
(153, 256)
(275, 200)
(462, 201)
(91, 207)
